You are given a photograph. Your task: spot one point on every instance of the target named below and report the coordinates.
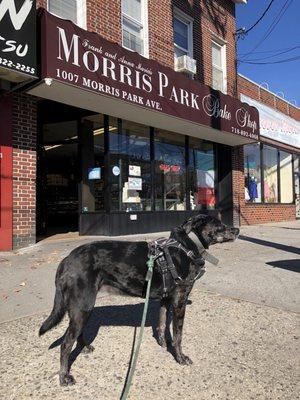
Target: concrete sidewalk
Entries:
(261, 266)
(241, 330)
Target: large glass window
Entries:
(286, 178)
(202, 176)
(170, 171)
(130, 172)
(275, 162)
(270, 159)
(252, 173)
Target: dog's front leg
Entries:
(162, 322)
(179, 306)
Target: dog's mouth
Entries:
(230, 235)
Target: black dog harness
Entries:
(159, 250)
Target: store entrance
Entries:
(58, 171)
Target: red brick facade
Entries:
(264, 96)
(260, 213)
(24, 118)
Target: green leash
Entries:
(133, 363)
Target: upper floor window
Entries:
(74, 10)
(219, 80)
(183, 34)
(135, 26)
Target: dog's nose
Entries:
(236, 231)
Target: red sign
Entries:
(88, 61)
(169, 168)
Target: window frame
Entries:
(142, 25)
(222, 45)
(189, 21)
(81, 19)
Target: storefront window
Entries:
(170, 177)
(286, 177)
(270, 174)
(252, 173)
(202, 176)
(130, 171)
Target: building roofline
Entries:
(269, 91)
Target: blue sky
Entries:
(283, 77)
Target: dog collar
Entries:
(204, 253)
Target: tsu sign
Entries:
(17, 39)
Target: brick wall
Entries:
(262, 95)
(24, 169)
(160, 21)
(41, 3)
(104, 18)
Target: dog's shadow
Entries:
(121, 315)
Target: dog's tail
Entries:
(57, 313)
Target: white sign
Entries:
(134, 170)
(134, 183)
(94, 173)
(116, 170)
(275, 125)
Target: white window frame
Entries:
(143, 25)
(81, 13)
(187, 20)
(220, 43)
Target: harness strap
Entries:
(171, 265)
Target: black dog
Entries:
(123, 265)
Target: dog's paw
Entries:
(183, 360)
(66, 380)
(162, 341)
(88, 349)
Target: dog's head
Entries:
(209, 230)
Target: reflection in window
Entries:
(270, 174)
(252, 173)
(129, 166)
(203, 195)
(286, 177)
(170, 180)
